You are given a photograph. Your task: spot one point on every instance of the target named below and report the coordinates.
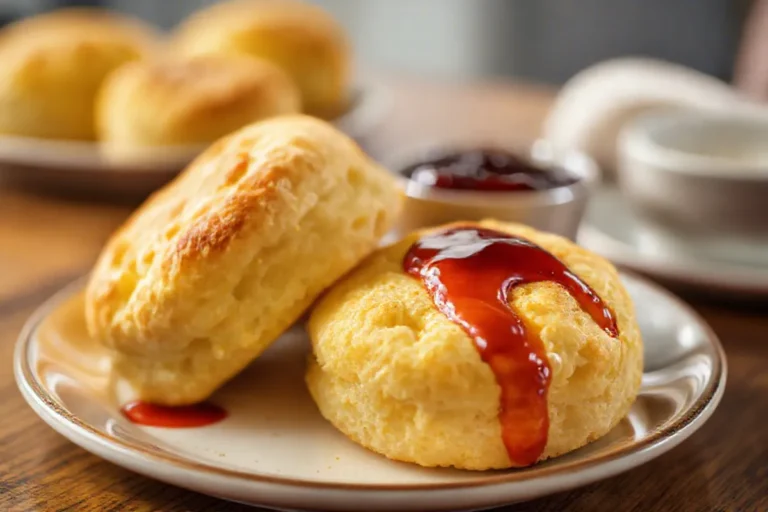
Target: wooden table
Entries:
(46, 242)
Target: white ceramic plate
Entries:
(85, 167)
(733, 265)
(276, 450)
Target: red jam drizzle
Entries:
(187, 416)
(488, 170)
(470, 274)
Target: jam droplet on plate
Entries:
(470, 274)
(186, 416)
(488, 170)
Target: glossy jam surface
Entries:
(488, 170)
(187, 416)
(470, 274)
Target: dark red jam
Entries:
(187, 416)
(486, 169)
(470, 274)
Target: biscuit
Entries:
(216, 265)
(187, 101)
(395, 375)
(53, 66)
(299, 37)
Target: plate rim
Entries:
(657, 442)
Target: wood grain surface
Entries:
(47, 241)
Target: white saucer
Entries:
(276, 450)
(87, 167)
(729, 264)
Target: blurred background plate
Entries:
(735, 265)
(85, 169)
(69, 167)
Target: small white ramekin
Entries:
(557, 210)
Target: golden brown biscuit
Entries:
(216, 265)
(397, 376)
(189, 100)
(300, 38)
(53, 66)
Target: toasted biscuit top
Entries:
(213, 268)
(169, 252)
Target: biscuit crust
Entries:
(300, 38)
(396, 376)
(185, 101)
(215, 266)
(54, 64)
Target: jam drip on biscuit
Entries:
(470, 274)
(186, 416)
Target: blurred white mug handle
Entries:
(592, 107)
